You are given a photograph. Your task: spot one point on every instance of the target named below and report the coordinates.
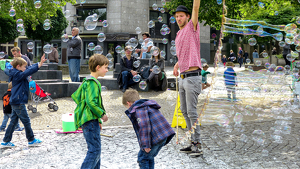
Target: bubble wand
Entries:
(177, 109)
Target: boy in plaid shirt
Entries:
(152, 129)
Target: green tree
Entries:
(58, 24)
(8, 30)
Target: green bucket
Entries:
(68, 122)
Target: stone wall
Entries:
(84, 69)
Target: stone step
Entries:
(47, 74)
(49, 66)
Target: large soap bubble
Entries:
(156, 69)
(12, 12)
(101, 37)
(91, 46)
(119, 49)
(37, 4)
(98, 49)
(154, 51)
(151, 24)
(67, 13)
(138, 30)
(136, 78)
(105, 23)
(143, 85)
(173, 50)
(89, 23)
(47, 48)
(252, 41)
(172, 19)
(64, 38)
(30, 45)
(133, 42)
(136, 64)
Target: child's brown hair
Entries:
(18, 61)
(229, 64)
(96, 60)
(131, 96)
(205, 65)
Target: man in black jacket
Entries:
(127, 69)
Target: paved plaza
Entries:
(261, 130)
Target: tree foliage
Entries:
(8, 31)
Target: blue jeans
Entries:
(91, 133)
(5, 120)
(146, 55)
(127, 79)
(19, 111)
(146, 160)
(189, 90)
(74, 69)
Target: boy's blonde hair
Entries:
(128, 47)
(230, 64)
(131, 96)
(18, 61)
(205, 65)
(96, 60)
(15, 49)
(9, 85)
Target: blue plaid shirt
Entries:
(149, 124)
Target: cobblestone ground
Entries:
(261, 130)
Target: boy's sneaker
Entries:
(2, 130)
(19, 129)
(186, 150)
(196, 150)
(7, 144)
(34, 142)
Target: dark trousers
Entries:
(127, 79)
(155, 79)
(287, 62)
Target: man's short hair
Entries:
(130, 95)
(96, 60)
(15, 49)
(9, 85)
(147, 34)
(18, 61)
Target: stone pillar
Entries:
(124, 16)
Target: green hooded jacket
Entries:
(89, 102)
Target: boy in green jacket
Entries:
(90, 110)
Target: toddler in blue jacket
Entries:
(19, 97)
(230, 81)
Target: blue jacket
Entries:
(20, 90)
(149, 124)
(230, 76)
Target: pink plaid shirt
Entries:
(188, 47)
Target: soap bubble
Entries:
(137, 63)
(119, 49)
(47, 48)
(82, 1)
(267, 65)
(136, 78)
(12, 12)
(160, 19)
(258, 136)
(101, 37)
(2, 54)
(154, 51)
(289, 57)
(20, 22)
(47, 26)
(272, 67)
(248, 61)
(133, 43)
(250, 68)
(64, 39)
(173, 42)
(37, 4)
(143, 85)
(168, 30)
(91, 46)
(238, 118)
(135, 55)
(30, 45)
(95, 17)
(67, 13)
(276, 13)
(298, 20)
(261, 5)
(98, 49)
(165, 41)
(173, 50)
(172, 19)
(154, 6)
(138, 30)
(162, 53)
(252, 41)
(219, 2)
(109, 57)
(141, 40)
(110, 64)
(163, 2)
(289, 38)
(278, 36)
(162, 10)
(105, 23)
(144, 49)
(203, 61)
(163, 31)
(156, 69)
(290, 28)
(297, 48)
(281, 43)
(47, 21)
(222, 120)
(260, 30)
(265, 54)
(258, 63)
(151, 24)
(123, 54)
(89, 23)
(20, 28)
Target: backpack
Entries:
(145, 71)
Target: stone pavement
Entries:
(261, 130)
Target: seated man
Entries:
(127, 69)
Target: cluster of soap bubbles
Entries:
(165, 30)
(47, 24)
(20, 25)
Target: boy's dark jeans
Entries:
(146, 160)
(19, 112)
(127, 79)
(91, 133)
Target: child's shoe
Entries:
(7, 144)
(19, 129)
(34, 142)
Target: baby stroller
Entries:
(37, 94)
